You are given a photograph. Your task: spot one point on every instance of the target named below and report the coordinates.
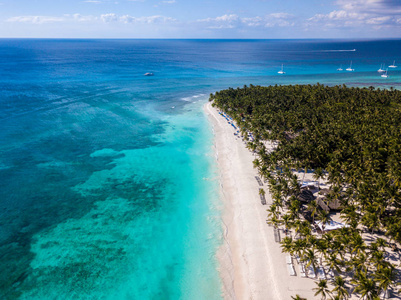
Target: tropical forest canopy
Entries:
(349, 136)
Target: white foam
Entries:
(191, 98)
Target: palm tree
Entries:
(310, 257)
(313, 208)
(287, 221)
(365, 286)
(340, 289)
(287, 245)
(332, 262)
(357, 243)
(256, 163)
(322, 289)
(385, 277)
(318, 174)
(324, 218)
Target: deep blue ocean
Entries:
(108, 183)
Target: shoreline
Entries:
(251, 264)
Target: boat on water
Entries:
(385, 75)
(393, 65)
(381, 70)
(148, 74)
(340, 68)
(350, 69)
(282, 70)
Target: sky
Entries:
(233, 19)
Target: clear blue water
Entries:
(108, 188)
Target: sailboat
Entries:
(282, 70)
(385, 75)
(350, 69)
(381, 70)
(340, 68)
(393, 65)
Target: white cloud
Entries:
(378, 21)
(81, 18)
(281, 15)
(35, 19)
(146, 20)
(169, 2)
(378, 7)
(253, 22)
(234, 21)
(222, 22)
(106, 18)
(93, 1)
(360, 14)
(224, 18)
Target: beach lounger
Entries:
(311, 272)
(291, 270)
(302, 270)
(258, 180)
(288, 260)
(262, 198)
(320, 273)
(277, 237)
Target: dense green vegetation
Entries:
(351, 138)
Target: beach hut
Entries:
(333, 204)
(320, 202)
(306, 196)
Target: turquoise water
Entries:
(108, 183)
(153, 234)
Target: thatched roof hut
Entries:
(335, 204)
(306, 196)
(322, 204)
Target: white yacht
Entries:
(381, 70)
(340, 68)
(148, 74)
(350, 69)
(393, 65)
(385, 75)
(282, 70)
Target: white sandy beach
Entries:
(252, 265)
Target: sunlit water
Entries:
(108, 187)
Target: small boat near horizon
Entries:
(393, 65)
(381, 70)
(148, 74)
(340, 68)
(350, 69)
(282, 70)
(385, 75)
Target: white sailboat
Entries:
(385, 75)
(340, 68)
(350, 69)
(381, 70)
(282, 70)
(393, 65)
